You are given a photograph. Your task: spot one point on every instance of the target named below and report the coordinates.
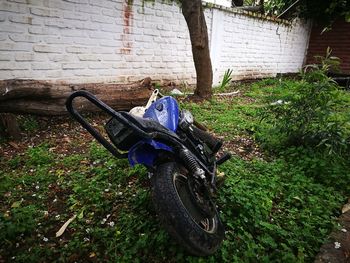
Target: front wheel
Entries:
(175, 200)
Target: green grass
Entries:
(226, 118)
(280, 209)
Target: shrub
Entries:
(315, 115)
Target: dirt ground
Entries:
(337, 249)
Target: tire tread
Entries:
(176, 218)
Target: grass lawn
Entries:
(278, 205)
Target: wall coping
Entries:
(248, 13)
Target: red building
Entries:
(338, 39)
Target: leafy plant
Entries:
(226, 79)
(320, 11)
(315, 115)
(39, 155)
(28, 123)
(327, 63)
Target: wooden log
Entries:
(48, 98)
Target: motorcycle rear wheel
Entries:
(200, 235)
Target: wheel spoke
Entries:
(205, 224)
(183, 191)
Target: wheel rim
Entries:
(181, 186)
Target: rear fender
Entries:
(146, 152)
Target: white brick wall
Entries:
(226, 3)
(254, 47)
(104, 40)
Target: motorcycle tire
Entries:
(179, 214)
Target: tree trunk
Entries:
(237, 3)
(48, 98)
(261, 3)
(257, 8)
(9, 122)
(194, 16)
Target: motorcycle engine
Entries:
(185, 120)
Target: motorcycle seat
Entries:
(124, 136)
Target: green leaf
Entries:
(81, 214)
(16, 204)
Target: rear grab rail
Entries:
(104, 107)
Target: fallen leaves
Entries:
(14, 145)
(16, 204)
(345, 208)
(244, 147)
(64, 226)
(337, 245)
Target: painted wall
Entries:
(255, 47)
(226, 3)
(96, 41)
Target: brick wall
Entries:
(95, 41)
(256, 47)
(226, 3)
(338, 39)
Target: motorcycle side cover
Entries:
(166, 112)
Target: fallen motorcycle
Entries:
(180, 157)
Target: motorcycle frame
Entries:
(174, 141)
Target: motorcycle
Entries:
(180, 157)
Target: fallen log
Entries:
(48, 98)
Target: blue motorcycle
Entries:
(181, 159)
